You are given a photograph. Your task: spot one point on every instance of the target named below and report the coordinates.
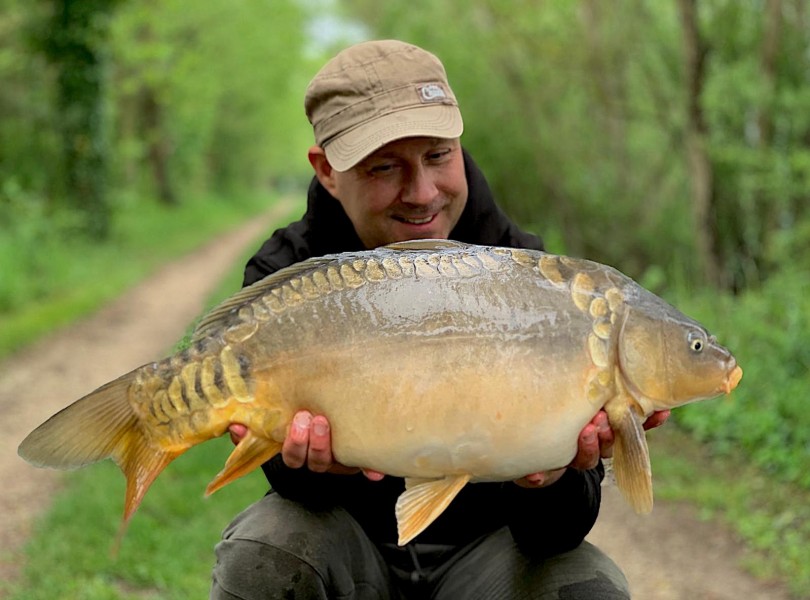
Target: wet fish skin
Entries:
(436, 361)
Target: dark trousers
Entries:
(276, 549)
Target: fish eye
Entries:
(696, 341)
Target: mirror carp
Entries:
(440, 362)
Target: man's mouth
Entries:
(415, 220)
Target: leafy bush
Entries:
(766, 418)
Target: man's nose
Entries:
(420, 187)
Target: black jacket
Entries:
(543, 522)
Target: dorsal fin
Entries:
(246, 295)
(427, 245)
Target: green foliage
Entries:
(766, 419)
(51, 276)
(231, 113)
(572, 110)
(27, 137)
(167, 551)
(152, 97)
(759, 132)
(73, 41)
(577, 112)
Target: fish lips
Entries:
(732, 379)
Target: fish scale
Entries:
(441, 362)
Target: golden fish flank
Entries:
(516, 351)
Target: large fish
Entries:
(441, 362)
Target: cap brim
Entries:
(441, 121)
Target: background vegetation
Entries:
(669, 139)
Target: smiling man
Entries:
(409, 189)
(389, 166)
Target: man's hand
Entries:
(309, 442)
(595, 442)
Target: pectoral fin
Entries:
(250, 452)
(423, 501)
(631, 457)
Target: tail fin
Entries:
(98, 426)
(87, 431)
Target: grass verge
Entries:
(167, 551)
(772, 518)
(50, 279)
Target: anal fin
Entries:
(250, 452)
(141, 463)
(631, 456)
(423, 501)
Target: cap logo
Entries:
(432, 92)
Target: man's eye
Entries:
(383, 168)
(438, 155)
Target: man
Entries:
(389, 166)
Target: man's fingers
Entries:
(237, 431)
(319, 455)
(309, 442)
(535, 480)
(540, 480)
(373, 475)
(657, 419)
(604, 433)
(587, 449)
(294, 448)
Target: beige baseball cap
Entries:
(376, 92)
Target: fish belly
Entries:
(444, 406)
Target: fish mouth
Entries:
(733, 379)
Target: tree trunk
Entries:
(156, 144)
(770, 50)
(76, 35)
(696, 137)
(607, 74)
(801, 202)
(767, 216)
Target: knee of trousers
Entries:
(279, 544)
(246, 569)
(592, 575)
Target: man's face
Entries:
(412, 188)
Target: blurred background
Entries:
(670, 139)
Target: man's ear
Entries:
(323, 170)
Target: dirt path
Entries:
(668, 556)
(140, 326)
(671, 555)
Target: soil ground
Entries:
(669, 555)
